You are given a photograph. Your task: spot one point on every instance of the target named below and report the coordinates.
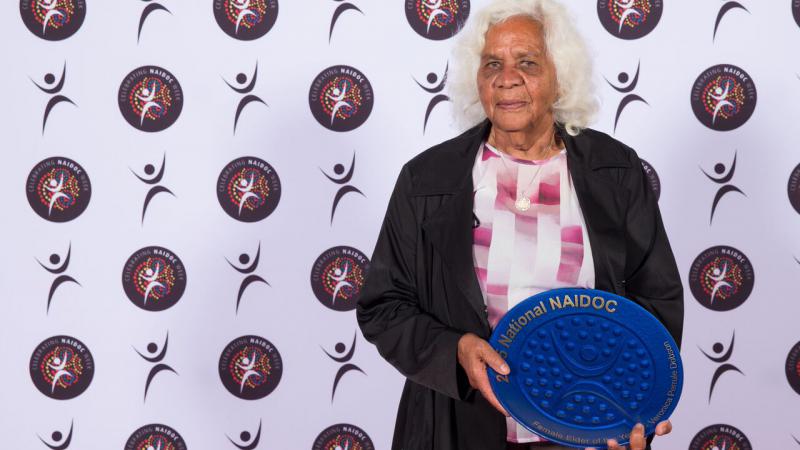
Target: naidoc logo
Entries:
(794, 188)
(248, 441)
(793, 367)
(154, 278)
(723, 97)
(343, 436)
(723, 10)
(248, 189)
(721, 356)
(149, 9)
(721, 278)
(53, 20)
(341, 98)
(343, 180)
(58, 189)
(717, 437)
(629, 19)
(150, 98)
(59, 441)
(437, 19)
(58, 268)
(155, 437)
(652, 178)
(155, 355)
(344, 357)
(246, 19)
(153, 178)
(62, 367)
(337, 277)
(250, 367)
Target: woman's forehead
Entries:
(518, 46)
(517, 31)
(515, 50)
(518, 24)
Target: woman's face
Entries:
(516, 78)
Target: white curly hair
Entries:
(576, 103)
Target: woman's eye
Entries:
(528, 63)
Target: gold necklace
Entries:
(522, 201)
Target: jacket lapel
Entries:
(597, 199)
(450, 231)
(450, 227)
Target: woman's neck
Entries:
(530, 144)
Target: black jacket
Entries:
(421, 293)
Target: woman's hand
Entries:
(474, 354)
(638, 440)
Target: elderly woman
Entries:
(527, 200)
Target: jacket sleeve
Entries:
(421, 347)
(651, 274)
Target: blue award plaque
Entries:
(586, 366)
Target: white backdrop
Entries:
(377, 40)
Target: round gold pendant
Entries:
(523, 203)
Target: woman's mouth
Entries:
(511, 105)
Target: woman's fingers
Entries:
(493, 359)
(481, 380)
(638, 441)
(474, 354)
(489, 395)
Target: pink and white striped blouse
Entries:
(521, 253)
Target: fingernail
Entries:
(504, 368)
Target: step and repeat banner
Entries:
(193, 190)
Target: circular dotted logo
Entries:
(341, 98)
(437, 19)
(652, 178)
(721, 278)
(150, 98)
(154, 278)
(248, 189)
(723, 97)
(794, 188)
(793, 367)
(58, 189)
(720, 436)
(337, 277)
(53, 20)
(62, 367)
(246, 19)
(629, 19)
(250, 367)
(342, 436)
(155, 437)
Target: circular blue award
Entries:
(586, 366)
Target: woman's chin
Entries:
(511, 122)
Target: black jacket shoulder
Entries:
(446, 167)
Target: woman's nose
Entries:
(509, 77)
